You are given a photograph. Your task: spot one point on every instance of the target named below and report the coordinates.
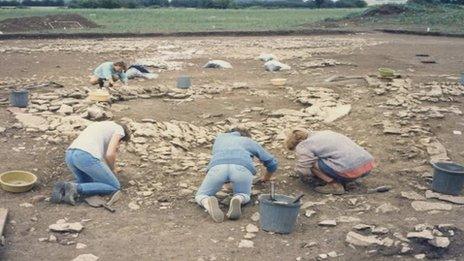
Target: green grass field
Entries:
(190, 20)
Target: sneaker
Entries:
(212, 206)
(235, 208)
(58, 192)
(331, 188)
(70, 193)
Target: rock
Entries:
(26, 205)
(348, 219)
(336, 113)
(412, 195)
(441, 242)
(134, 206)
(31, 121)
(250, 228)
(81, 246)
(362, 227)
(255, 217)
(426, 234)
(249, 236)
(65, 110)
(185, 192)
(274, 66)
(386, 208)
(380, 230)
(449, 198)
(96, 113)
(66, 227)
(332, 254)
(244, 243)
(86, 257)
(309, 213)
(419, 256)
(38, 198)
(218, 64)
(43, 239)
(309, 204)
(322, 256)
(328, 223)
(265, 57)
(356, 239)
(2, 129)
(387, 242)
(427, 206)
(52, 238)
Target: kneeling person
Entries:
(330, 156)
(91, 158)
(232, 160)
(111, 72)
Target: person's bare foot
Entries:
(331, 188)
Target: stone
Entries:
(38, 198)
(322, 256)
(348, 219)
(185, 192)
(273, 66)
(337, 112)
(244, 243)
(449, 198)
(265, 57)
(441, 242)
(65, 110)
(81, 246)
(86, 257)
(66, 227)
(419, 256)
(218, 64)
(249, 236)
(255, 217)
(386, 208)
(328, 223)
(332, 254)
(2, 129)
(362, 227)
(309, 204)
(31, 121)
(96, 113)
(426, 234)
(412, 195)
(427, 206)
(356, 239)
(26, 205)
(380, 230)
(52, 238)
(43, 239)
(250, 228)
(309, 213)
(134, 206)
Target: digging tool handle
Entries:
(272, 194)
(379, 189)
(110, 209)
(298, 198)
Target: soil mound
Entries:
(388, 9)
(46, 23)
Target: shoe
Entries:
(331, 188)
(212, 206)
(312, 180)
(70, 193)
(58, 192)
(101, 82)
(235, 208)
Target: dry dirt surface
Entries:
(48, 22)
(404, 122)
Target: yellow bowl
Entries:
(279, 81)
(17, 181)
(99, 95)
(386, 72)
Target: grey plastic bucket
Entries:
(184, 82)
(278, 216)
(448, 178)
(462, 78)
(19, 98)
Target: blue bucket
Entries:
(278, 216)
(462, 78)
(448, 178)
(183, 82)
(19, 98)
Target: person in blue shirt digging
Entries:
(111, 72)
(232, 161)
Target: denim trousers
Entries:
(240, 177)
(93, 177)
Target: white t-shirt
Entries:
(96, 137)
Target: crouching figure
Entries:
(232, 161)
(330, 157)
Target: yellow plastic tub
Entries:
(279, 81)
(17, 181)
(99, 95)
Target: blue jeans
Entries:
(93, 177)
(241, 179)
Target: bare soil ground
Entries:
(180, 230)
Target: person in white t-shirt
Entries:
(91, 158)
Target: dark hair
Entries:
(127, 132)
(121, 64)
(243, 132)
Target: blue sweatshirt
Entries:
(231, 148)
(106, 71)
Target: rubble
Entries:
(328, 223)
(273, 66)
(441, 242)
(250, 228)
(386, 208)
(218, 64)
(426, 234)
(412, 195)
(449, 198)
(62, 226)
(86, 257)
(356, 239)
(265, 57)
(244, 243)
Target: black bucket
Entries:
(278, 216)
(448, 178)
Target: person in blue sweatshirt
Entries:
(232, 161)
(111, 72)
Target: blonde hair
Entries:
(296, 136)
